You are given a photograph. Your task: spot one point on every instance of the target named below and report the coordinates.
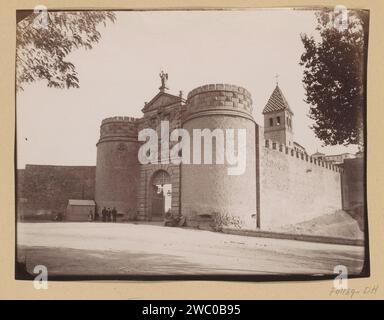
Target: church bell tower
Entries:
(278, 119)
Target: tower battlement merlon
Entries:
(291, 152)
(221, 87)
(219, 98)
(120, 119)
(119, 128)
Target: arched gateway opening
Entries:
(160, 195)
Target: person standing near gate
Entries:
(114, 214)
(104, 214)
(109, 215)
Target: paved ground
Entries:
(127, 249)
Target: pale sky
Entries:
(246, 48)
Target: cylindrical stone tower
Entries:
(208, 190)
(117, 167)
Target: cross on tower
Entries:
(277, 78)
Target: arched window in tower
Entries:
(278, 121)
(271, 122)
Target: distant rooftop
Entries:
(76, 202)
(340, 154)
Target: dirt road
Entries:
(126, 249)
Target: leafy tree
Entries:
(41, 48)
(334, 77)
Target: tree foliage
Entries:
(41, 50)
(334, 77)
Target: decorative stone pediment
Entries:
(162, 99)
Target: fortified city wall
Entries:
(295, 187)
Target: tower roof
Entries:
(277, 102)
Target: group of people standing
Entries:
(109, 215)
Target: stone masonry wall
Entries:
(207, 189)
(147, 172)
(117, 168)
(353, 183)
(294, 187)
(44, 189)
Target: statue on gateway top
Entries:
(164, 79)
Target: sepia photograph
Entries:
(191, 144)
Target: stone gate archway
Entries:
(160, 195)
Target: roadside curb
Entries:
(299, 237)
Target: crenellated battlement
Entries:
(219, 87)
(120, 119)
(118, 128)
(220, 98)
(272, 145)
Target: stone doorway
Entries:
(160, 195)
